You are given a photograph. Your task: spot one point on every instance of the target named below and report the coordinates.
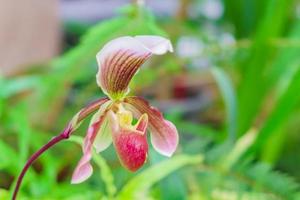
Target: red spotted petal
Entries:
(132, 149)
(120, 59)
(164, 136)
(131, 145)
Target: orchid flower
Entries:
(119, 60)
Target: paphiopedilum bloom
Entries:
(118, 62)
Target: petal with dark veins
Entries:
(120, 59)
(164, 135)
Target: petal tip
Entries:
(156, 44)
(82, 173)
(167, 153)
(170, 47)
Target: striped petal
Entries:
(164, 136)
(84, 169)
(120, 59)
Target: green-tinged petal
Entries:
(84, 169)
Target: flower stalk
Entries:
(65, 134)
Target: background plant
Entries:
(239, 134)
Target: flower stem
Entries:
(37, 154)
(71, 127)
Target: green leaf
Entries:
(274, 145)
(281, 74)
(239, 148)
(138, 185)
(4, 194)
(23, 131)
(8, 157)
(271, 181)
(282, 109)
(13, 86)
(244, 15)
(227, 90)
(253, 79)
(286, 64)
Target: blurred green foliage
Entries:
(240, 144)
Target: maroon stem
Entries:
(64, 135)
(51, 143)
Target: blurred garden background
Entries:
(231, 87)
